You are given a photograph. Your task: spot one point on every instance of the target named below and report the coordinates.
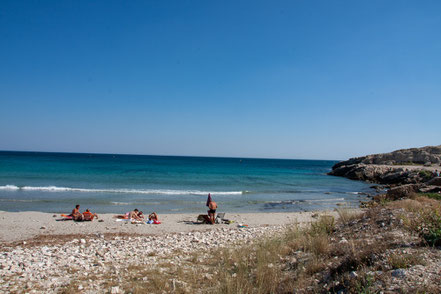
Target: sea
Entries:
(115, 183)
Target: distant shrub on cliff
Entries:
(425, 174)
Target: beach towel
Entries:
(65, 217)
(154, 222)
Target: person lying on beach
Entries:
(89, 216)
(134, 214)
(122, 216)
(76, 214)
(131, 215)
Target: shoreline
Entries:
(21, 226)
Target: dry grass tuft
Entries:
(424, 218)
(348, 215)
(407, 204)
(397, 260)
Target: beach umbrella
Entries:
(208, 199)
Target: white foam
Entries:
(126, 191)
(120, 203)
(9, 187)
(325, 200)
(304, 201)
(20, 200)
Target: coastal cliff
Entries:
(420, 156)
(415, 167)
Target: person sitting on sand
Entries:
(89, 216)
(76, 214)
(153, 217)
(133, 215)
(141, 215)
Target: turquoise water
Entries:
(55, 182)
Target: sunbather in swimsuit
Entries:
(133, 215)
(89, 216)
(76, 214)
(212, 212)
(153, 216)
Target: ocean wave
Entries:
(275, 202)
(24, 200)
(120, 203)
(9, 187)
(124, 191)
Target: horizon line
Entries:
(140, 154)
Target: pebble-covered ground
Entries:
(373, 251)
(48, 268)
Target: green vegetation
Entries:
(436, 196)
(425, 174)
(405, 163)
(425, 219)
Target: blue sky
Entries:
(283, 79)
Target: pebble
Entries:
(398, 273)
(49, 267)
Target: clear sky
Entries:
(286, 79)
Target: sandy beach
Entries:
(16, 226)
(42, 255)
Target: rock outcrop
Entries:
(382, 174)
(402, 167)
(423, 155)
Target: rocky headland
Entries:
(405, 170)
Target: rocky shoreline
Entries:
(401, 171)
